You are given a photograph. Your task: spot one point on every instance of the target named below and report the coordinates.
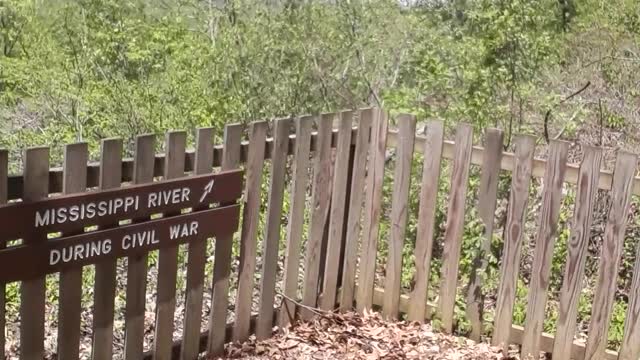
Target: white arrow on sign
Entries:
(207, 190)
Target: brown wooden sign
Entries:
(24, 262)
(73, 213)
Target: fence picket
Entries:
(372, 210)
(271, 242)
(577, 251)
(176, 143)
(250, 220)
(32, 292)
(296, 217)
(545, 241)
(630, 347)
(143, 168)
(70, 286)
(4, 194)
(455, 223)
(223, 250)
(426, 219)
(337, 213)
(513, 230)
(320, 213)
(105, 279)
(487, 199)
(624, 172)
(197, 258)
(399, 214)
(354, 213)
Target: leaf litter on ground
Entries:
(353, 336)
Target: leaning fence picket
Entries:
(105, 278)
(514, 228)
(197, 257)
(337, 212)
(354, 212)
(4, 177)
(612, 245)
(223, 250)
(271, 241)
(426, 219)
(455, 223)
(70, 286)
(320, 213)
(399, 215)
(143, 168)
(630, 347)
(544, 243)
(577, 252)
(296, 218)
(249, 237)
(32, 292)
(487, 199)
(372, 210)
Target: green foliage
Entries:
(89, 69)
(618, 316)
(482, 69)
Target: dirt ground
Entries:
(352, 336)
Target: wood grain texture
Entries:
(223, 251)
(70, 287)
(250, 221)
(577, 251)
(426, 219)
(544, 243)
(337, 213)
(32, 292)
(137, 265)
(399, 215)
(197, 257)
(372, 210)
(354, 213)
(295, 227)
(487, 199)
(455, 224)
(104, 289)
(271, 243)
(4, 181)
(625, 169)
(176, 143)
(320, 213)
(516, 217)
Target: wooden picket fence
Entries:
(326, 173)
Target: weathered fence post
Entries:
(32, 294)
(143, 169)
(105, 279)
(70, 288)
(355, 206)
(250, 220)
(296, 218)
